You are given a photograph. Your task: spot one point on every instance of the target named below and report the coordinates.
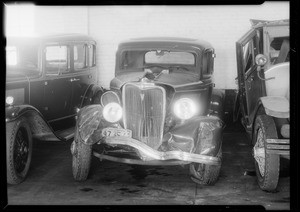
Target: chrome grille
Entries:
(144, 107)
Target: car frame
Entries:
(263, 102)
(152, 130)
(48, 79)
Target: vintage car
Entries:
(47, 80)
(263, 98)
(158, 110)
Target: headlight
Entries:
(185, 108)
(9, 100)
(112, 112)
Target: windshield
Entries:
(279, 50)
(279, 44)
(140, 60)
(23, 58)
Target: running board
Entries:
(62, 135)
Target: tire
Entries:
(204, 174)
(18, 150)
(267, 169)
(81, 160)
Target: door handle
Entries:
(74, 79)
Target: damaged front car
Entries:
(161, 110)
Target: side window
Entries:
(56, 59)
(208, 63)
(92, 55)
(248, 55)
(80, 55)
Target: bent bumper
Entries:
(163, 156)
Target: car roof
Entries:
(165, 42)
(263, 23)
(51, 38)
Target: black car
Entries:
(263, 100)
(159, 110)
(48, 79)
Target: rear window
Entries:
(168, 57)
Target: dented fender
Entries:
(200, 135)
(90, 123)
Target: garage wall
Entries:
(222, 26)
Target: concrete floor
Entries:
(50, 181)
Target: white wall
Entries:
(222, 26)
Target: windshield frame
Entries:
(270, 33)
(195, 69)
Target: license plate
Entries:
(115, 132)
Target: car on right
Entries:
(263, 97)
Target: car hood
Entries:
(172, 79)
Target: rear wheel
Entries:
(266, 165)
(18, 150)
(81, 160)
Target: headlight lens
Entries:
(9, 100)
(112, 112)
(185, 108)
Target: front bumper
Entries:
(158, 155)
(278, 146)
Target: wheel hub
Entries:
(21, 151)
(259, 152)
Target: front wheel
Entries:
(204, 174)
(18, 150)
(266, 165)
(81, 160)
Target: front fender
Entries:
(90, 123)
(276, 106)
(201, 135)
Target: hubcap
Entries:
(259, 152)
(21, 150)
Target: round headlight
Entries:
(112, 112)
(185, 108)
(9, 100)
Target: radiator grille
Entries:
(144, 112)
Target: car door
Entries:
(84, 71)
(250, 86)
(58, 85)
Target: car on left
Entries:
(48, 79)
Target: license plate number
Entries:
(114, 132)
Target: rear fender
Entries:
(217, 103)
(90, 94)
(37, 123)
